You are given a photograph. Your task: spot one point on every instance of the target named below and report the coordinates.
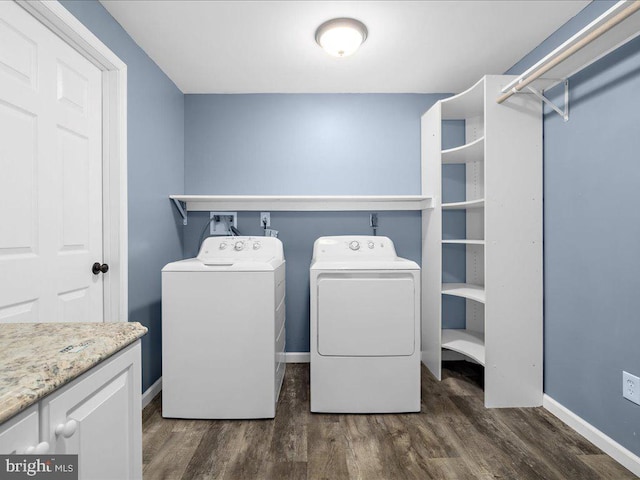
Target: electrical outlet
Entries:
(271, 233)
(631, 387)
(265, 219)
(222, 223)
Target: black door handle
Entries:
(98, 267)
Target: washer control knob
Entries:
(223, 245)
(371, 244)
(256, 245)
(238, 246)
(354, 245)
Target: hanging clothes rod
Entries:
(561, 54)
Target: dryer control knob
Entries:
(371, 244)
(239, 246)
(256, 245)
(354, 245)
(223, 245)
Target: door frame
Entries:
(114, 146)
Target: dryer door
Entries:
(366, 314)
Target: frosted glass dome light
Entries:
(341, 37)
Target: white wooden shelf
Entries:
(466, 342)
(470, 152)
(312, 203)
(464, 241)
(465, 290)
(468, 205)
(467, 104)
(502, 318)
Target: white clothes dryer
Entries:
(223, 330)
(365, 327)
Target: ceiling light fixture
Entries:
(341, 37)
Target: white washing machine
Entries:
(223, 330)
(365, 327)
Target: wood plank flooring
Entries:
(453, 438)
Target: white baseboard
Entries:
(624, 457)
(151, 392)
(297, 357)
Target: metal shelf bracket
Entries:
(181, 209)
(563, 113)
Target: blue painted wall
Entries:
(591, 232)
(319, 144)
(155, 170)
(296, 144)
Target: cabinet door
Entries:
(98, 417)
(20, 433)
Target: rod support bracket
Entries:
(564, 113)
(182, 209)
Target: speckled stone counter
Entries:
(38, 358)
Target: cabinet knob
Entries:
(40, 449)
(67, 429)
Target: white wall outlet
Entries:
(271, 233)
(221, 223)
(631, 387)
(265, 219)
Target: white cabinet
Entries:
(20, 434)
(97, 416)
(501, 248)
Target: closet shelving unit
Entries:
(502, 158)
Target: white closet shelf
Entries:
(464, 241)
(470, 152)
(467, 104)
(465, 290)
(311, 203)
(467, 342)
(468, 205)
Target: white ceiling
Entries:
(269, 46)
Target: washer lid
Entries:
(247, 254)
(195, 265)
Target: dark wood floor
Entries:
(454, 437)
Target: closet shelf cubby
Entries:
(469, 103)
(465, 290)
(464, 341)
(469, 152)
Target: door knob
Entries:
(98, 267)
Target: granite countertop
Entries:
(38, 358)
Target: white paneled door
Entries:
(50, 176)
